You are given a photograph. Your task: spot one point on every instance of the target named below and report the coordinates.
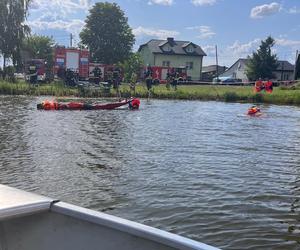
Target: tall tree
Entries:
(40, 47)
(262, 63)
(132, 65)
(13, 13)
(107, 33)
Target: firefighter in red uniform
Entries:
(259, 85)
(269, 86)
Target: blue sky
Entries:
(235, 26)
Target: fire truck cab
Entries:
(35, 70)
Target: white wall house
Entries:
(173, 53)
(284, 71)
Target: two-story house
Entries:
(172, 53)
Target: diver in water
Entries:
(253, 110)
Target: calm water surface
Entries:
(199, 169)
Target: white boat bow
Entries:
(33, 222)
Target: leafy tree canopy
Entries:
(107, 33)
(132, 66)
(40, 47)
(12, 28)
(262, 63)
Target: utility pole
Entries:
(282, 71)
(295, 66)
(71, 40)
(217, 67)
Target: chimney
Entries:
(170, 40)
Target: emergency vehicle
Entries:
(35, 68)
(73, 59)
(160, 73)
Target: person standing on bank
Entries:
(97, 74)
(117, 81)
(133, 81)
(149, 80)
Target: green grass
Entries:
(280, 95)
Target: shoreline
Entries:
(235, 94)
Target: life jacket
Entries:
(50, 105)
(258, 86)
(134, 104)
(269, 86)
(252, 111)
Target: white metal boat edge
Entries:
(128, 226)
(15, 202)
(31, 217)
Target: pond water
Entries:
(203, 170)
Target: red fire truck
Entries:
(35, 70)
(159, 73)
(106, 70)
(74, 59)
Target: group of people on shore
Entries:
(172, 79)
(259, 86)
(263, 85)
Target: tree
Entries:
(132, 65)
(107, 33)
(13, 13)
(263, 63)
(40, 47)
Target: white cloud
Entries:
(71, 26)
(158, 33)
(241, 50)
(284, 48)
(205, 31)
(161, 2)
(59, 8)
(210, 50)
(287, 42)
(294, 10)
(203, 2)
(265, 10)
(57, 15)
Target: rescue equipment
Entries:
(54, 105)
(254, 111)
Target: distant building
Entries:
(284, 71)
(172, 53)
(211, 71)
(297, 68)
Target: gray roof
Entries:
(212, 68)
(282, 65)
(285, 65)
(177, 47)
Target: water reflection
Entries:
(200, 169)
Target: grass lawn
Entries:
(280, 95)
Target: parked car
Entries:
(19, 76)
(226, 80)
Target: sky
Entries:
(235, 26)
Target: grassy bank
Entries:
(219, 93)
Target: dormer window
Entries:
(167, 48)
(190, 49)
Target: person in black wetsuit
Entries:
(97, 74)
(149, 78)
(32, 74)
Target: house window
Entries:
(167, 48)
(285, 77)
(190, 49)
(166, 63)
(189, 65)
